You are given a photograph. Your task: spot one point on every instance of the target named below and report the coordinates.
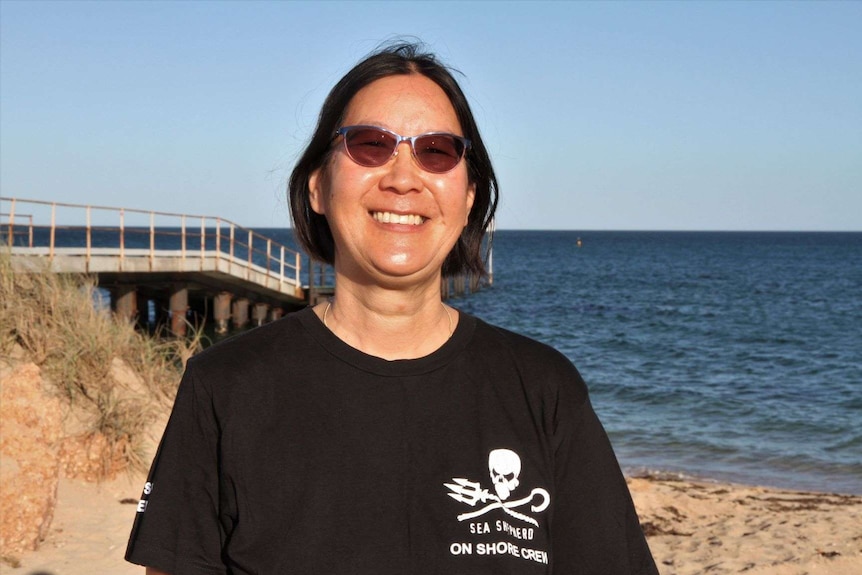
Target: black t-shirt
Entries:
(289, 451)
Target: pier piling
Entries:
(124, 300)
(221, 311)
(258, 313)
(240, 313)
(179, 305)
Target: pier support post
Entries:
(124, 300)
(240, 313)
(259, 312)
(221, 311)
(179, 305)
(275, 313)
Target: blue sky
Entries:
(617, 116)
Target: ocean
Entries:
(733, 356)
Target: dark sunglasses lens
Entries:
(439, 152)
(369, 147)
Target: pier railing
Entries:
(130, 240)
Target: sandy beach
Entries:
(693, 527)
(698, 527)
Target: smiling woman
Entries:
(384, 432)
(393, 224)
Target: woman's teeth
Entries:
(390, 218)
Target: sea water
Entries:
(733, 356)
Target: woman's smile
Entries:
(402, 219)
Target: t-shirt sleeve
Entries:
(177, 527)
(595, 529)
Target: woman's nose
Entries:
(402, 175)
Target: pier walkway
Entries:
(176, 267)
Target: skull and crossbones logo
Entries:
(504, 467)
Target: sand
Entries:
(698, 527)
(89, 531)
(693, 527)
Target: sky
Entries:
(597, 115)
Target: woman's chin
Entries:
(389, 268)
(406, 271)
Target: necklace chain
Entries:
(446, 309)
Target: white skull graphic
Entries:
(505, 466)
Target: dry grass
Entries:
(52, 317)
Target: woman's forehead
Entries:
(406, 104)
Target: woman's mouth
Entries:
(404, 219)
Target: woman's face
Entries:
(360, 203)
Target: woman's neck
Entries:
(389, 324)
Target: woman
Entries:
(384, 431)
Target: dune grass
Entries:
(52, 317)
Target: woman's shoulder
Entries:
(528, 355)
(258, 346)
(513, 342)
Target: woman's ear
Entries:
(315, 195)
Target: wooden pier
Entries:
(168, 269)
(179, 268)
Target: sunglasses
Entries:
(371, 146)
